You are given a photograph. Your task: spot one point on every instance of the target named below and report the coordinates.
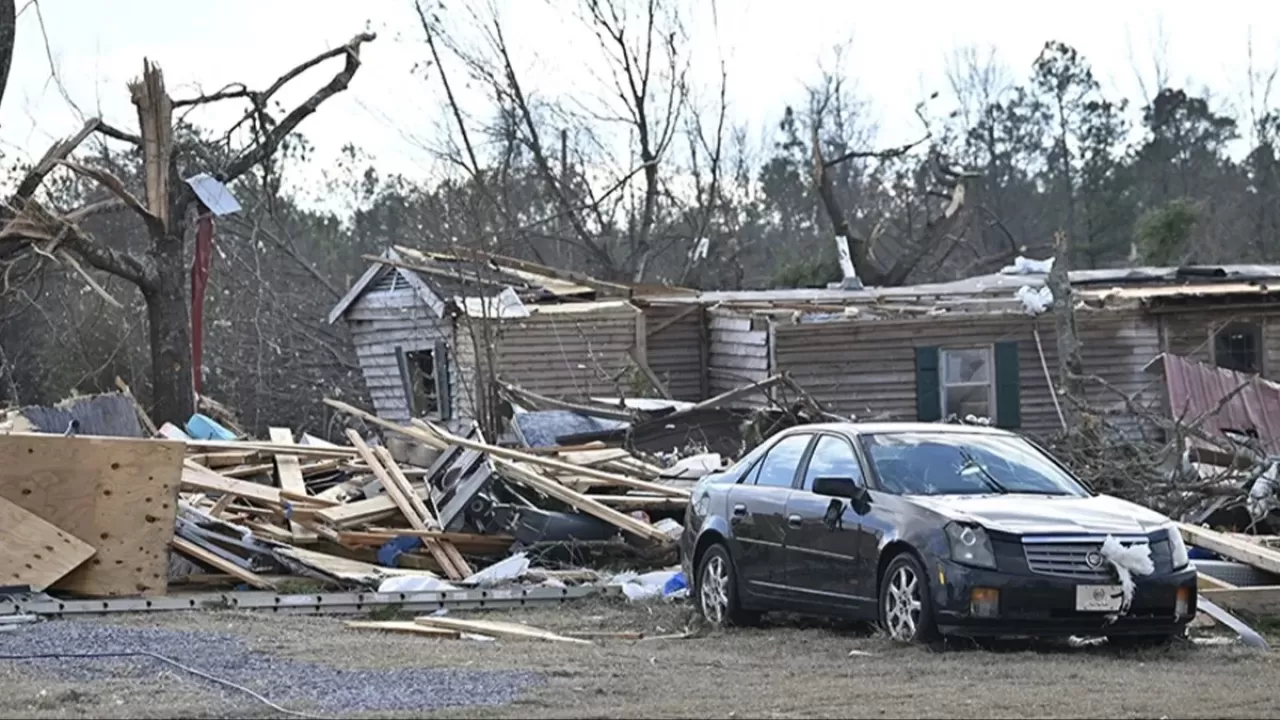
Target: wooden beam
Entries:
(444, 552)
(1259, 556)
(495, 451)
(289, 477)
(196, 552)
(199, 477)
(400, 495)
(1257, 601)
(528, 476)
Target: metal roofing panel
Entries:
(1196, 390)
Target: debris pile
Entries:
(427, 510)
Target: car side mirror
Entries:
(840, 487)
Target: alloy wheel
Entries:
(902, 604)
(714, 590)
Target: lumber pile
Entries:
(268, 512)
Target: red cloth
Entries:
(199, 280)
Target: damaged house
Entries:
(427, 327)
(986, 346)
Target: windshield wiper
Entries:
(970, 461)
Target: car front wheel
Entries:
(906, 612)
(718, 590)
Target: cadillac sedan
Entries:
(930, 530)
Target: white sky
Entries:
(773, 46)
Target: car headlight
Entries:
(1177, 548)
(970, 545)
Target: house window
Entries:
(419, 372)
(1238, 346)
(967, 387)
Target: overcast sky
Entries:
(898, 56)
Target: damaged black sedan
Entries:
(931, 530)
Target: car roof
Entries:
(869, 428)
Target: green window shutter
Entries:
(928, 385)
(1008, 389)
(444, 399)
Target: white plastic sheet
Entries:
(1027, 266)
(1035, 300)
(503, 571)
(1127, 562)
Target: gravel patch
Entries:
(291, 683)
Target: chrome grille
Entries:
(1069, 556)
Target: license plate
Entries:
(1099, 598)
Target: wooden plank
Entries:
(494, 628)
(495, 451)
(266, 447)
(1258, 601)
(199, 477)
(1209, 582)
(444, 552)
(289, 475)
(531, 478)
(402, 626)
(1261, 557)
(400, 495)
(118, 494)
(34, 552)
(195, 552)
(312, 500)
(361, 511)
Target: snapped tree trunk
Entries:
(169, 322)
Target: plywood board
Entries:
(117, 494)
(34, 552)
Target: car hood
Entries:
(1045, 514)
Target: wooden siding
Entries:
(1190, 333)
(675, 340)
(564, 352)
(382, 319)
(739, 351)
(867, 368)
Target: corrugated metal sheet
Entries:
(1196, 389)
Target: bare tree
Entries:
(644, 101)
(167, 208)
(877, 258)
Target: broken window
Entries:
(1238, 346)
(425, 374)
(967, 387)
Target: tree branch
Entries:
(266, 147)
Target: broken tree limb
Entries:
(548, 462)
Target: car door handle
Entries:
(793, 521)
(739, 511)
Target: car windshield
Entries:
(958, 463)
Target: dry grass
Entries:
(792, 669)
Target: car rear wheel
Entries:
(717, 588)
(906, 612)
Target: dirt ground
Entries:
(790, 668)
